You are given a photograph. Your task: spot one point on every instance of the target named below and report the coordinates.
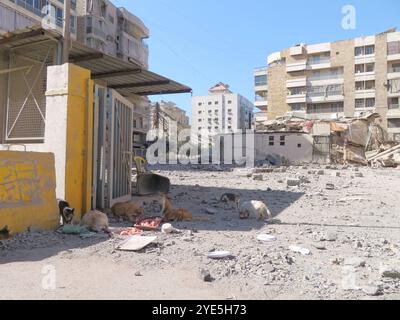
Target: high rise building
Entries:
(334, 79)
(222, 111)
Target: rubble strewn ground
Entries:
(347, 217)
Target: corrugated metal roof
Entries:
(125, 77)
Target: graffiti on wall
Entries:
(19, 183)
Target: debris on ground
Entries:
(135, 243)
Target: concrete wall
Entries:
(298, 147)
(68, 133)
(27, 191)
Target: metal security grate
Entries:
(121, 148)
(26, 107)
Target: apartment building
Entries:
(20, 14)
(334, 79)
(114, 31)
(172, 111)
(222, 111)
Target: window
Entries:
(216, 128)
(200, 104)
(299, 145)
(199, 128)
(297, 106)
(370, 49)
(200, 112)
(209, 111)
(271, 140)
(216, 102)
(200, 120)
(103, 9)
(370, 102)
(359, 68)
(360, 51)
(393, 123)
(370, 67)
(393, 47)
(111, 18)
(297, 91)
(209, 103)
(335, 107)
(230, 127)
(229, 102)
(283, 140)
(365, 103)
(229, 110)
(365, 85)
(393, 103)
(260, 80)
(395, 67)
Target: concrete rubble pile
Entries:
(360, 141)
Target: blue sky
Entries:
(202, 42)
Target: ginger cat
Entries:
(127, 211)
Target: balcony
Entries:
(393, 51)
(365, 93)
(296, 98)
(298, 66)
(394, 110)
(261, 103)
(394, 73)
(326, 79)
(130, 48)
(365, 76)
(260, 70)
(298, 82)
(319, 63)
(331, 96)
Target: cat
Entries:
(230, 198)
(66, 212)
(127, 211)
(4, 233)
(160, 198)
(256, 208)
(178, 215)
(96, 221)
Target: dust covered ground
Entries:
(348, 218)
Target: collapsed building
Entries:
(360, 140)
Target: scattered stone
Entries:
(336, 174)
(390, 272)
(354, 262)
(205, 276)
(330, 186)
(211, 211)
(293, 182)
(258, 177)
(303, 251)
(359, 175)
(138, 274)
(321, 172)
(337, 261)
(372, 290)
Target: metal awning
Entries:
(126, 77)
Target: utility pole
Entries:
(66, 31)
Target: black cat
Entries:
(66, 212)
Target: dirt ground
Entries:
(352, 232)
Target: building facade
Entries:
(112, 30)
(172, 111)
(20, 14)
(334, 79)
(222, 111)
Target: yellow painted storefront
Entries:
(27, 191)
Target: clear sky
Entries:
(202, 42)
